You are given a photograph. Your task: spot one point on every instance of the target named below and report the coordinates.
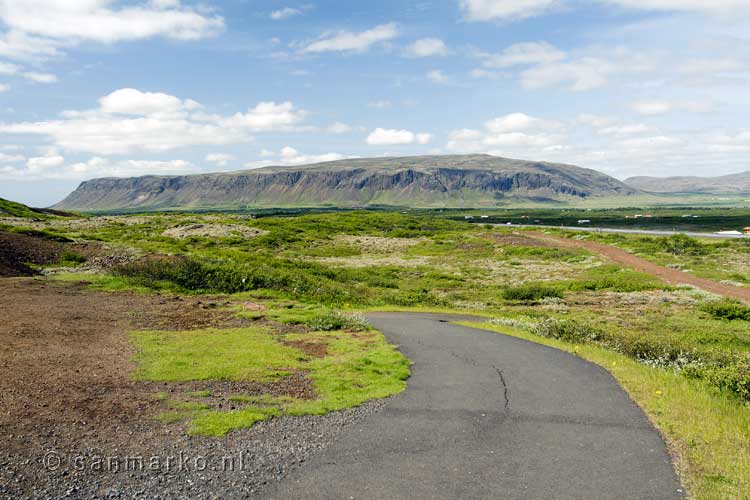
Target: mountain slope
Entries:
(14, 209)
(725, 184)
(459, 180)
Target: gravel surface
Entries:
(241, 465)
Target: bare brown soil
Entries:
(65, 366)
(19, 250)
(670, 276)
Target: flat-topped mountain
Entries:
(420, 181)
(725, 184)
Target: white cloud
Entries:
(345, 41)
(267, 116)
(290, 156)
(129, 120)
(8, 68)
(516, 122)
(722, 7)
(134, 102)
(584, 74)
(57, 168)
(339, 128)
(626, 129)
(19, 45)
(523, 53)
(284, 13)
(220, 159)
(97, 20)
(40, 77)
(657, 107)
(543, 65)
(427, 47)
(505, 10)
(392, 137)
(4, 87)
(6, 158)
(515, 133)
(40, 163)
(651, 108)
(437, 76)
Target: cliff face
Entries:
(411, 181)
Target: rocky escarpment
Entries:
(467, 180)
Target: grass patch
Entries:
(358, 367)
(708, 428)
(213, 354)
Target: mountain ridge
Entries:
(736, 183)
(438, 180)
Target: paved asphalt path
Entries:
(488, 416)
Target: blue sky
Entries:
(94, 88)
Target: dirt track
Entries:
(670, 276)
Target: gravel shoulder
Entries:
(74, 424)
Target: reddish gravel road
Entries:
(670, 276)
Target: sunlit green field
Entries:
(309, 273)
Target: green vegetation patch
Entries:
(728, 309)
(531, 292)
(616, 279)
(357, 367)
(213, 354)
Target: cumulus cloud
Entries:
(129, 120)
(55, 167)
(393, 137)
(43, 29)
(514, 133)
(220, 159)
(346, 41)
(513, 10)
(541, 65)
(284, 13)
(505, 10)
(339, 128)
(427, 47)
(99, 21)
(523, 53)
(437, 76)
(40, 77)
(660, 107)
(290, 156)
(722, 7)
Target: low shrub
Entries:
(727, 309)
(681, 244)
(567, 330)
(617, 279)
(336, 320)
(531, 292)
(70, 258)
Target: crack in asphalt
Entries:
(505, 386)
